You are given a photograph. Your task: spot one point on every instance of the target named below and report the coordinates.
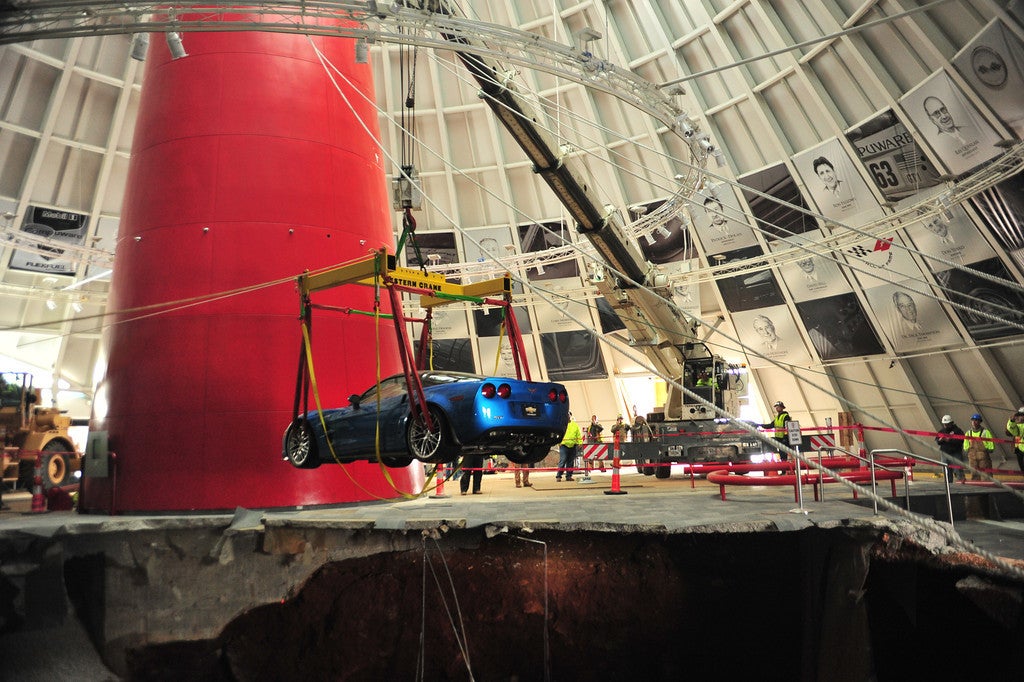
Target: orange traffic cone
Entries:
(439, 488)
(38, 499)
(616, 486)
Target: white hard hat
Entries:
(946, 419)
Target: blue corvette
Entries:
(474, 415)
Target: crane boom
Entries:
(655, 326)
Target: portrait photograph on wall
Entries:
(961, 138)
(748, 290)
(949, 235)
(447, 322)
(768, 192)
(810, 274)
(892, 157)
(572, 355)
(991, 310)
(720, 223)
(838, 327)
(54, 225)
(684, 286)
(911, 317)
(669, 244)
(568, 304)
(993, 65)
(836, 186)
(535, 237)
(770, 334)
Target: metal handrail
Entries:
(945, 476)
(872, 465)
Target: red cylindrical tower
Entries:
(248, 167)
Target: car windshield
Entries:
(438, 378)
(389, 388)
(394, 386)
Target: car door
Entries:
(359, 432)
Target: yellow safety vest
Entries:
(780, 424)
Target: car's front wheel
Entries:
(430, 447)
(300, 446)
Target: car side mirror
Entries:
(354, 401)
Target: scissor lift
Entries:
(380, 270)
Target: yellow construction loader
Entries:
(32, 434)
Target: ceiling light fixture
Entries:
(140, 45)
(174, 45)
(362, 51)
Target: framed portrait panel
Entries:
(770, 335)
(835, 185)
(911, 319)
(957, 133)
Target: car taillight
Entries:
(487, 390)
(552, 395)
(563, 397)
(504, 391)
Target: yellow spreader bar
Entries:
(382, 264)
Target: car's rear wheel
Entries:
(430, 447)
(300, 445)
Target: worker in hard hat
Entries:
(620, 428)
(1015, 430)
(951, 443)
(979, 447)
(779, 424)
